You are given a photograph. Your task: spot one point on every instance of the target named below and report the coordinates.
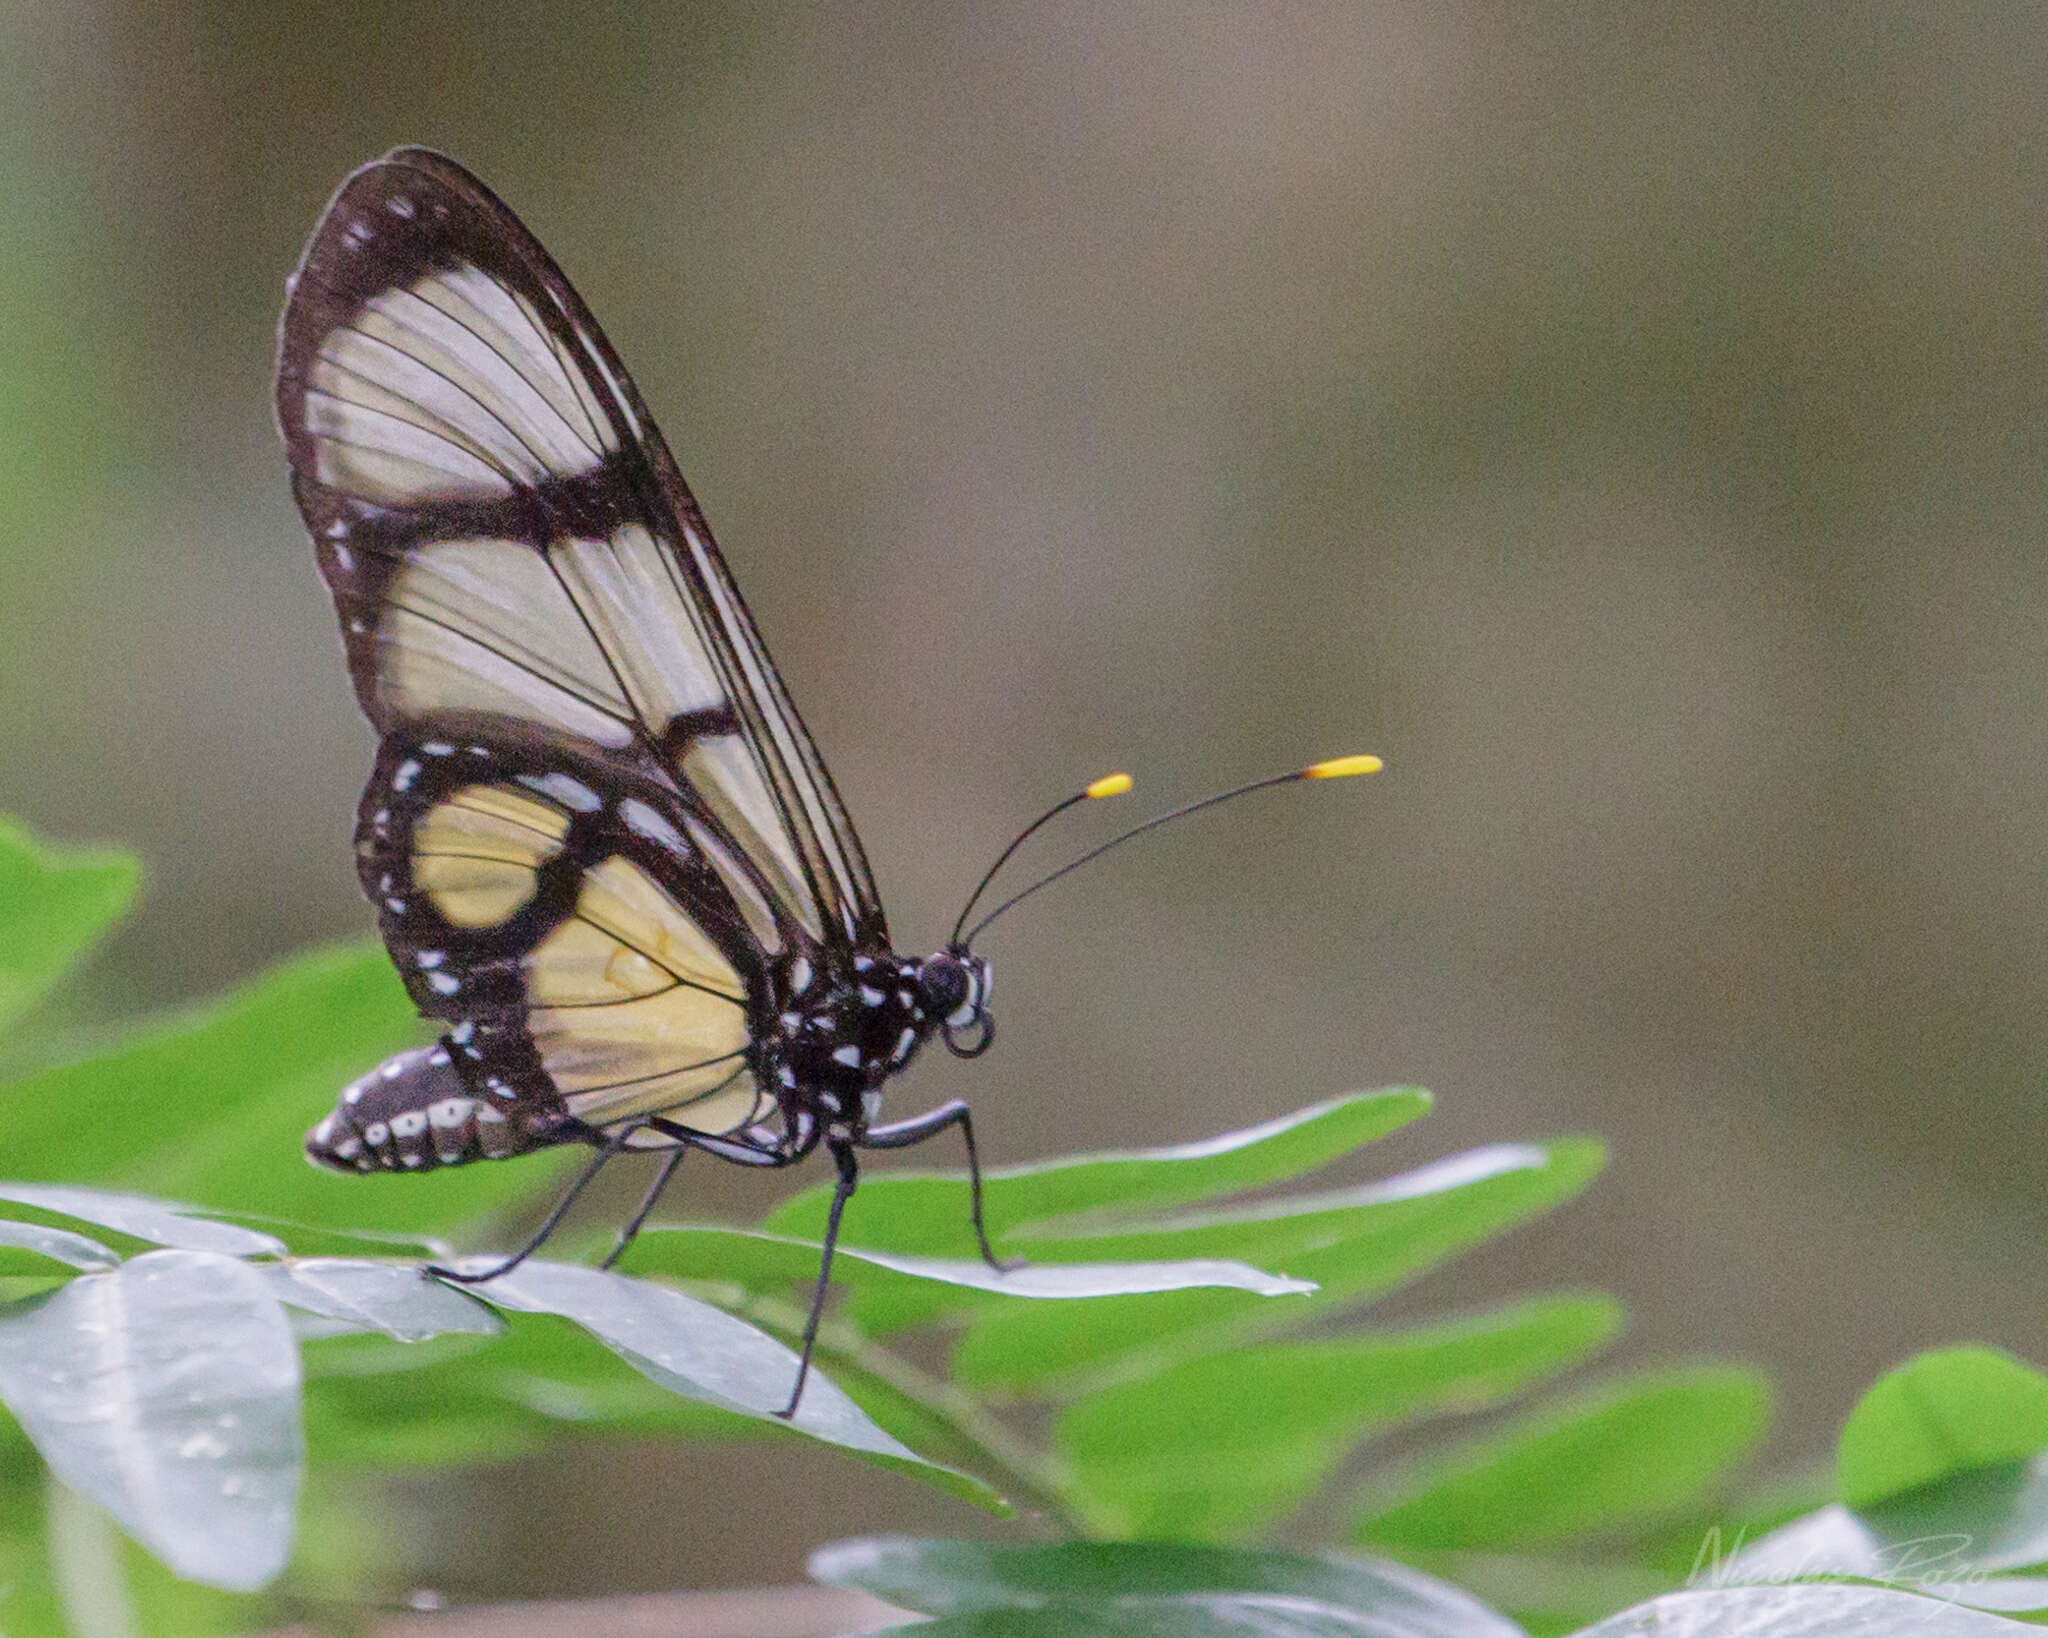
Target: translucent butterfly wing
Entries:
(508, 538)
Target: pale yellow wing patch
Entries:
(627, 939)
(635, 1012)
(475, 855)
(739, 1103)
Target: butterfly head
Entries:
(953, 988)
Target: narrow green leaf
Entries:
(922, 1212)
(55, 905)
(1943, 1412)
(1353, 1243)
(1634, 1450)
(1803, 1612)
(211, 1106)
(395, 1298)
(1217, 1446)
(758, 1261)
(705, 1353)
(167, 1391)
(160, 1222)
(37, 1245)
(1152, 1583)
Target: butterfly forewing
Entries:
(505, 531)
(597, 824)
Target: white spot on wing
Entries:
(571, 793)
(644, 821)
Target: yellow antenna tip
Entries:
(1343, 767)
(1110, 785)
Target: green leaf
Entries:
(924, 1212)
(1634, 1450)
(167, 1391)
(761, 1262)
(1352, 1242)
(1216, 1446)
(55, 905)
(36, 1245)
(1972, 1523)
(1941, 1413)
(1797, 1612)
(394, 1298)
(1722, 1526)
(1152, 1583)
(32, 1603)
(1194, 1615)
(211, 1106)
(705, 1353)
(160, 1222)
(460, 1399)
(1550, 1595)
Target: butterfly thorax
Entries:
(840, 1037)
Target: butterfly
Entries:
(603, 850)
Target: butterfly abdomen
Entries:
(415, 1112)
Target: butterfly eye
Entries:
(944, 986)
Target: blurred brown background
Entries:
(1628, 422)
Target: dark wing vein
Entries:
(604, 707)
(540, 459)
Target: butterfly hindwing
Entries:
(559, 914)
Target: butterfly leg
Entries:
(612, 1147)
(849, 1176)
(669, 1163)
(903, 1133)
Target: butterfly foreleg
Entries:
(611, 1147)
(849, 1178)
(903, 1134)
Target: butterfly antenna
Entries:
(1343, 767)
(1108, 785)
